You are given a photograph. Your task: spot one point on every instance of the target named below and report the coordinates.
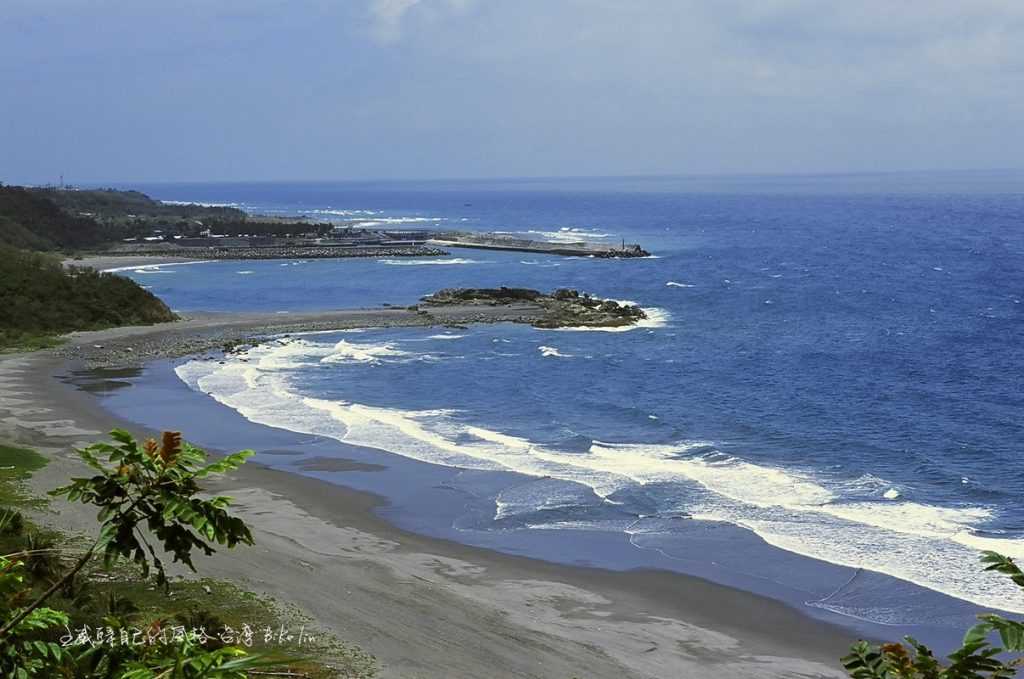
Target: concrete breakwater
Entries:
(287, 252)
(408, 243)
(491, 241)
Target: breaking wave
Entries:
(385, 221)
(568, 234)
(350, 352)
(850, 523)
(425, 262)
(153, 268)
(199, 204)
(656, 318)
(341, 213)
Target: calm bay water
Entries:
(832, 364)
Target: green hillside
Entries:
(30, 221)
(115, 206)
(76, 219)
(38, 298)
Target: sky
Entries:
(234, 90)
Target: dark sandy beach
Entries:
(424, 607)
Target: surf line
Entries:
(819, 602)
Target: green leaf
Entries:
(122, 436)
(977, 634)
(1003, 564)
(229, 463)
(90, 459)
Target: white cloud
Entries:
(463, 87)
(389, 15)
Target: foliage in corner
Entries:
(154, 486)
(977, 657)
(142, 491)
(40, 298)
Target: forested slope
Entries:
(30, 221)
(39, 297)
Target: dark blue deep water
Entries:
(831, 364)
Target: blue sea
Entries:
(829, 375)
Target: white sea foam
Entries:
(349, 352)
(794, 510)
(552, 351)
(341, 213)
(199, 204)
(674, 284)
(540, 495)
(389, 221)
(865, 486)
(424, 262)
(656, 318)
(1011, 548)
(243, 273)
(446, 337)
(153, 268)
(288, 354)
(568, 234)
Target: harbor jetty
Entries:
(497, 241)
(364, 243)
(311, 251)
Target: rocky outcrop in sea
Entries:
(563, 308)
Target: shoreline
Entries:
(197, 332)
(425, 606)
(109, 263)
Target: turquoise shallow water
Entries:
(829, 368)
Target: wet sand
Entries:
(425, 607)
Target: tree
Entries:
(145, 493)
(977, 657)
(38, 296)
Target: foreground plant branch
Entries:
(142, 491)
(155, 485)
(977, 657)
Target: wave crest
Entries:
(936, 547)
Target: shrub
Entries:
(977, 657)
